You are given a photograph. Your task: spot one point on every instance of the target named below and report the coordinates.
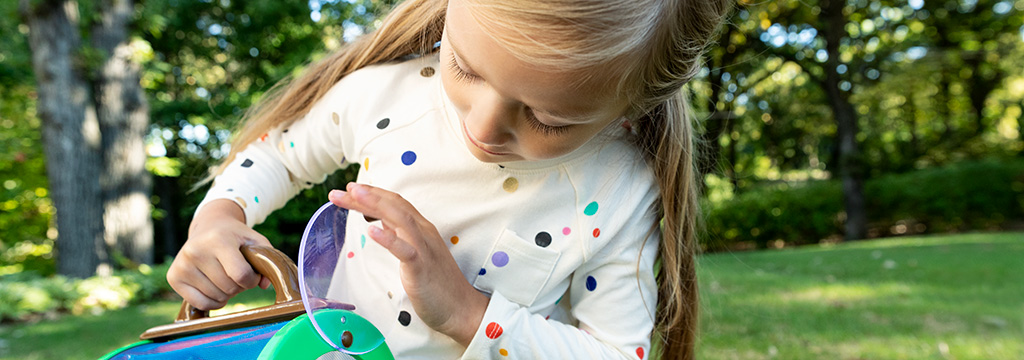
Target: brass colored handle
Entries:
(269, 262)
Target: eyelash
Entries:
(531, 118)
(461, 75)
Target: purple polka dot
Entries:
(408, 158)
(591, 283)
(482, 271)
(499, 259)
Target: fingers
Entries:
(389, 240)
(389, 207)
(195, 287)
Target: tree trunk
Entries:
(850, 167)
(71, 137)
(123, 117)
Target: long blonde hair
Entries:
(655, 45)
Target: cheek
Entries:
(541, 147)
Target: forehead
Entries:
(553, 89)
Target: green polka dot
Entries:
(292, 143)
(362, 240)
(257, 198)
(591, 209)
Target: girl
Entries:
(528, 171)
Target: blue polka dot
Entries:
(408, 158)
(499, 259)
(591, 283)
(482, 271)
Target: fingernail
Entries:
(335, 194)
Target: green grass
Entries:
(939, 297)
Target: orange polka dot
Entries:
(455, 240)
(503, 352)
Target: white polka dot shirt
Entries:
(563, 247)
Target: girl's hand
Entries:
(210, 269)
(439, 292)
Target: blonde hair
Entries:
(654, 45)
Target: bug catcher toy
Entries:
(301, 324)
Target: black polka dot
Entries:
(501, 166)
(383, 123)
(309, 183)
(247, 163)
(543, 239)
(285, 130)
(404, 318)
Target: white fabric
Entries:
(589, 293)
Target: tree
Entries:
(71, 136)
(123, 115)
(94, 117)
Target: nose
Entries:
(491, 119)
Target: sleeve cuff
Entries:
(486, 342)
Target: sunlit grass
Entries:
(938, 297)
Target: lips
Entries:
(476, 143)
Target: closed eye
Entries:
(531, 119)
(461, 75)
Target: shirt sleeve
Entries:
(612, 294)
(285, 160)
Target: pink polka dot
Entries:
(566, 230)
(351, 254)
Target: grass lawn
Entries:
(937, 297)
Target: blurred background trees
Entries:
(821, 119)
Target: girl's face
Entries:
(510, 110)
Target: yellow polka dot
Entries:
(455, 240)
(427, 72)
(511, 184)
(280, 146)
(391, 295)
(366, 164)
(240, 201)
(335, 118)
(503, 352)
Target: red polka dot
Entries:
(493, 330)
(351, 254)
(597, 232)
(640, 352)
